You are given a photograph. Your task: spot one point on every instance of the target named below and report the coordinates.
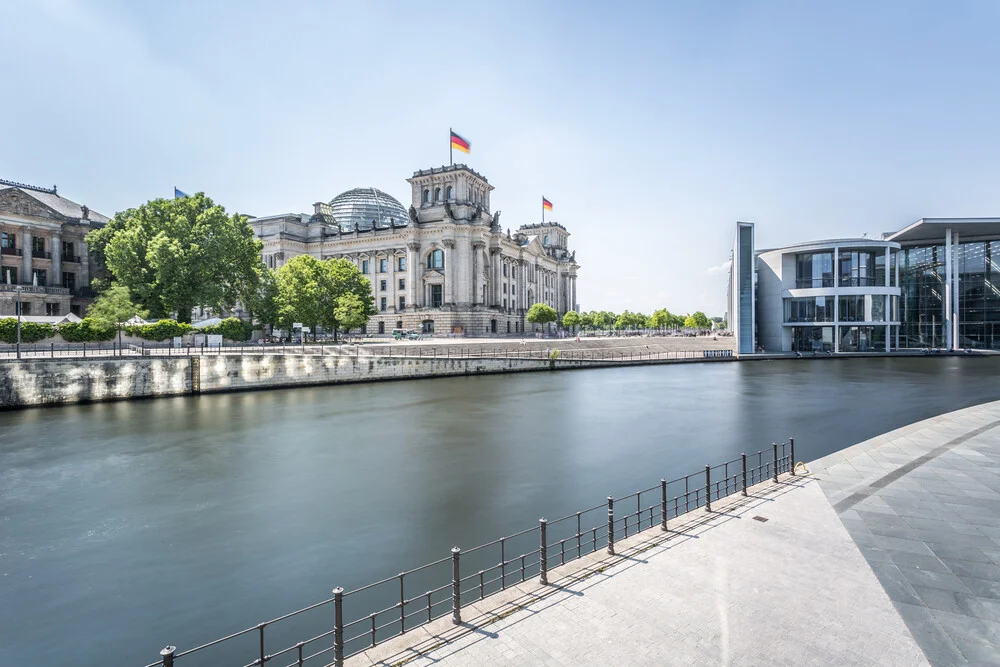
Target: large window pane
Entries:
(814, 269)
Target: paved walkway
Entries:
(923, 505)
(723, 589)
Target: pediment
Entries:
(18, 202)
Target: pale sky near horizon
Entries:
(652, 127)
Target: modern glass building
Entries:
(934, 284)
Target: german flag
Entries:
(459, 143)
(546, 204)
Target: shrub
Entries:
(31, 332)
(231, 328)
(162, 330)
(86, 330)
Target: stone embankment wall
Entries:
(51, 381)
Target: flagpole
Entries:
(543, 210)
(451, 148)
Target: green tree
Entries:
(603, 319)
(571, 319)
(540, 313)
(697, 320)
(587, 320)
(114, 306)
(178, 254)
(660, 319)
(332, 294)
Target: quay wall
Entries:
(34, 382)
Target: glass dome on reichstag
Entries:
(363, 206)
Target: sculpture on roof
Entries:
(496, 220)
(413, 215)
(508, 232)
(447, 211)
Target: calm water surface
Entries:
(128, 526)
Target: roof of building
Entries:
(933, 229)
(830, 243)
(446, 169)
(50, 197)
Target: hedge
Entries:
(31, 332)
(162, 330)
(231, 328)
(86, 331)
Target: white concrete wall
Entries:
(770, 309)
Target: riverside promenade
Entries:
(886, 553)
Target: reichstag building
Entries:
(444, 265)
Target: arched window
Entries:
(545, 242)
(427, 196)
(437, 194)
(447, 194)
(435, 260)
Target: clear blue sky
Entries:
(652, 127)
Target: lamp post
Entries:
(18, 289)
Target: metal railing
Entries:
(17, 252)
(457, 352)
(396, 605)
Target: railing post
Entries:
(708, 488)
(338, 626)
(663, 505)
(744, 457)
(167, 656)
(543, 555)
(774, 446)
(611, 525)
(791, 456)
(52, 349)
(456, 588)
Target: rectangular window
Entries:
(69, 281)
(402, 302)
(25, 308)
(878, 307)
(67, 251)
(402, 283)
(52, 309)
(364, 266)
(38, 244)
(8, 240)
(401, 264)
(9, 276)
(41, 275)
(505, 288)
(513, 289)
(437, 297)
(880, 269)
(809, 309)
(892, 268)
(382, 304)
(857, 268)
(505, 304)
(504, 270)
(383, 265)
(814, 269)
(852, 308)
(381, 285)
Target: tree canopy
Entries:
(114, 307)
(177, 254)
(571, 319)
(540, 313)
(332, 294)
(697, 320)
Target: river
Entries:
(128, 526)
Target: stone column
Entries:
(25, 257)
(83, 278)
(412, 263)
(450, 273)
(497, 276)
(477, 286)
(56, 249)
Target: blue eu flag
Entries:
(178, 194)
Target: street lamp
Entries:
(18, 289)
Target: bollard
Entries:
(791, 455)
(52, 349)
(708, 488)
(744, 457)
(774, 445)
(456, 588)
(167, 656)
(543, 555)
(338, 626)
(663, 504)
(611, 525)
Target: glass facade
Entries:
(812, 339)
(922, 280)
(814, 269)
(744, 289)
(860, 268)
(978, 268)
(852, 308)
(862, 339)
(809, 309)
(363, 208)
